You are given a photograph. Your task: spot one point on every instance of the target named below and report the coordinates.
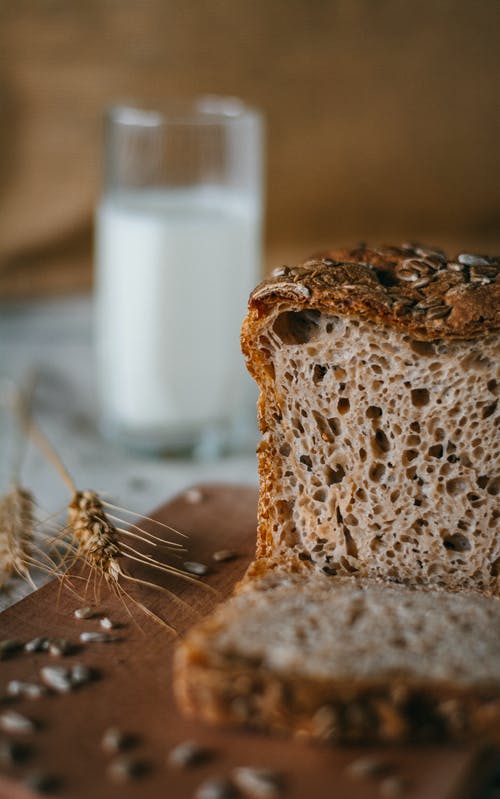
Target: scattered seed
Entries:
(193, 567)
(366, 767)
(258, 783)
(215, 788)
(438, 312)
(123, 769)
(224, 554)
(26, 690)
(86, 613)
(80, 674)
(12, 752)
(107, 624)
(40, 644)
(60, 648)
(57, 677)
(9, 647)
(188, 754)
(42, 783)
(13, 722)
(115, 740)
(468, 259)
(393, 787)
(193, 496)
(97, 638)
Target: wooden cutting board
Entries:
(133, 690)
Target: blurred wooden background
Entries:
(383, 116)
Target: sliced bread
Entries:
(346, 660)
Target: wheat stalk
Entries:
(92, 538)
(16, 534)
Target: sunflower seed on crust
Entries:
(187, 754)
(469, 259)
(258, 783)
(13, 722)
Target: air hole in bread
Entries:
(307, 461)
(373, 412)
(380, 443)
(456, 542)
(425, 348)
(296, 327)
(489, 410)
(419, 397)
(455, 487)
(334, 476)
(343, 405)
(376, 472)
(318, 373)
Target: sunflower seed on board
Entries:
(367, 767)
(40, 644)
(97, 638)
(224, 554)
(193, 567)
(60, 647)
(193, 496)
(107, 624)
(215, 788)
(80, 674)
(86, 613)
(187, 754)
(393, 787)
(9, 647)
(258, 783)
(58, 678)
(12, 752)
(42, 783)
(115, 740)
(13, 722)
(124, 768)
(26, 690)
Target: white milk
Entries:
(174, 269)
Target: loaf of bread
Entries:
(379, 373)
(371, 611)
(346, 660)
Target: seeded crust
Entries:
(380, 454)
(353, 661)
(413, 288)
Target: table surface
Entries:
(54, 339)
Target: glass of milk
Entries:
(178, 250)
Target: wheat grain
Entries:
(16, 534)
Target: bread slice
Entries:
(379, 372)
(346, 660)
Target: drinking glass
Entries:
(178, 250)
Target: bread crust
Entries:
(415, 289)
